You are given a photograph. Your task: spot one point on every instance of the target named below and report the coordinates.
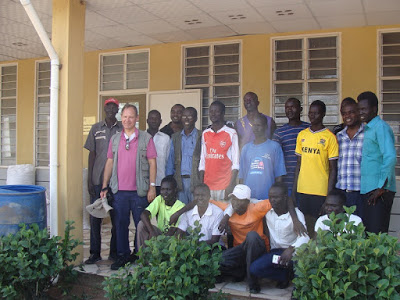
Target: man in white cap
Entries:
(250, 241)
(97, 144)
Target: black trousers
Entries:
(377, 217)
(236, 261)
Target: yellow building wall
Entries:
(358, 72)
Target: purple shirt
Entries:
(126, 168)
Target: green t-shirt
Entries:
(163, 212)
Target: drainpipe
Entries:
(54, 86)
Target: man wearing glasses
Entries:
(131, 171)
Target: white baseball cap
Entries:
(241, 192)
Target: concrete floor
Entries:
(237, 290)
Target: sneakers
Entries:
(93, 258)
(119, 263)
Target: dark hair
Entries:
(193, 110)
(320, 104)
(170, 179)
(280, 185)
(253, 95)
(220, 104)
(294, 100)
(154, 111)
(128, 105)
(178, 104)
(340, 194)
(370, 96)
(202, 186)
(347, 101)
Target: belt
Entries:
(185, 176)
(349, 191)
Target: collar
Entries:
(207, 213)
(105, 124)
(309, 128)
(284, 216)
(133, 136)
(373, 122)
(344, 130)
(190, 134)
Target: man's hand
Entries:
(228, 191)
(103, 194)
(151, 194)
(174, 218)
(374, 195)
(286, 256)
(299, 228)
(223, 225)
(152, 233)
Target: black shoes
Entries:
(119, 263)
(93, 258)
(255, 288)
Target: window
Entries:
(306, 68)
(8, 106)
(42, 122)
(389, 61)
(124, 71)
(215, 69)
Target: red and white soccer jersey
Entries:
(219, 156)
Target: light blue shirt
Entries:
(378, 157)
(188, 144)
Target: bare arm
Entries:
(332, 174)
(151, 193)
(201, 174)
(91, 159)
(106, 176)
(214, 239)
(298, 227)
(232, 183)
(174, 218)
(145, 218)
(296, 177)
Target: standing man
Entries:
(219, 159)
(378, 179)
(131, 171)
(350, 141)
(286, 136)
(176, 120)
(97, 144)
(243, 125)
(261, 162)
(317, 150)
(161, 141)
(184, 156)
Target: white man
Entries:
(131, 172)
(97, 143)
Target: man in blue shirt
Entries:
(261, 161)
(378, 179)
(350, 140)
(184, 156)
(286, 136)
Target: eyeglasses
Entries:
(127, 144)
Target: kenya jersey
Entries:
(219, 156)
(315, 149)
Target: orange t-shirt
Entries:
(251, 220)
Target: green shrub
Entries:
(168, 268)
(347, 263)
(30, 261)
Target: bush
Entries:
(346, 263)
(30, 261)
(168, 268)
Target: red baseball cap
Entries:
(111, 100)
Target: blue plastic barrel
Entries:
(22, 204)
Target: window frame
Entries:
(16, 115)
(305, 81)
(211, 65)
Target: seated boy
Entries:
(162, 207)
(208, 215)
(283, 239)
(334, 202)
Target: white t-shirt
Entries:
(319, 224)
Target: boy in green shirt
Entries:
(162, 207)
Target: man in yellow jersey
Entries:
(317, 152)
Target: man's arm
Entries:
(279, 179)
(332, 174)
(151, 193)
(296, 177)
(232, 183)
(145, 218)
(214, 239)
(272, 129)
(298, 227)
(174, 218)
(106, 176)
(91, 159)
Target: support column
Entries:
(68, 39)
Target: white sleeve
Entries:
(202, 164)
(183, 222)
(235, 152)
(215, 230)
(229, 211)
(301, 239)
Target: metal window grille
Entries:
(306, 68)
(215, 69)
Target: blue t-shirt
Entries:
(286, 136)
(260, 165)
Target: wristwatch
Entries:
(104, 189)
(152, 184)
